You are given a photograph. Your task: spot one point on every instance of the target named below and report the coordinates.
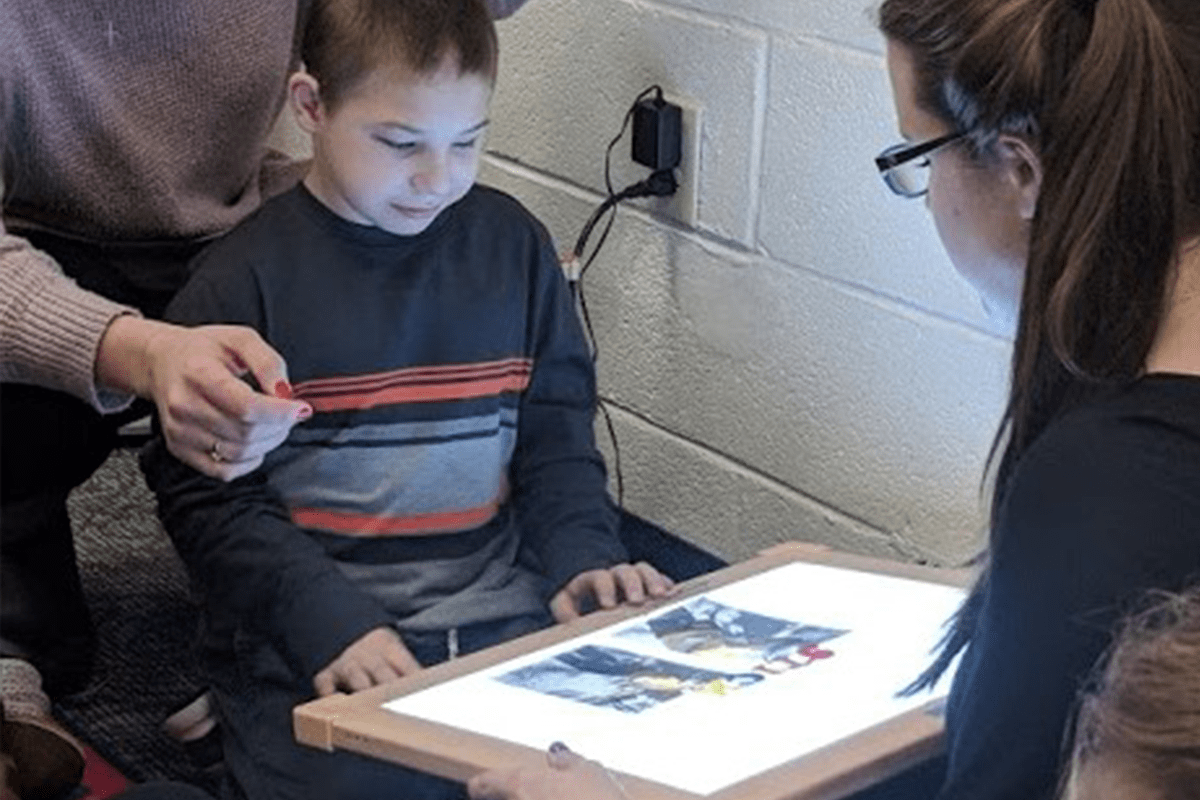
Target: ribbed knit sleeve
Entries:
(50, 329)
(102, 138)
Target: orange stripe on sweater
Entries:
(366, 525)
(412, 376)
(422, 393)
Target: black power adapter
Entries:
(657, 134)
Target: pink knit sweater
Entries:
(127, 121)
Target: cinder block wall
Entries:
(803, 362)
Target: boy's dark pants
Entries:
(50, 443)
(255, 693)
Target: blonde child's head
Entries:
(1138, 733)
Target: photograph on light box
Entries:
(715, 688)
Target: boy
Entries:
(447, 482)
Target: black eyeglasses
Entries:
(902, 172)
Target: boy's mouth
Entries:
(417, 212)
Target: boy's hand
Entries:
(378, 657)
(606, 588)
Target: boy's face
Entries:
(399, 148)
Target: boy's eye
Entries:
(466, 145)
(401, 146)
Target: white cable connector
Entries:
(570, 266)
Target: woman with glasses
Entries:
(1057, 146)
(1063, 174)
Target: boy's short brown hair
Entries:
(345, 40)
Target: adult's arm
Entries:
(50, 329)
(57, 335)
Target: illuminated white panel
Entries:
(768, 668)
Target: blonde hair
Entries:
(1142, 711)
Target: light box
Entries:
(778, 677)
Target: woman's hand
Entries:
(606, 588)
(378, 657)
(566, 776)
(211, 418)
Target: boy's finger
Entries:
(604, 588)
(559, 756)
(384, 673)
(563, 608)
(656, 583)
(630, 579)
(402, 661)
(356, 678)
(324, 683)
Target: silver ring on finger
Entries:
(215, 452)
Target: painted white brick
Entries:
(882, 415)
(851, 22)
(570, 69)
(879, 412)
(824, 206)
(726, 508)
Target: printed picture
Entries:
(732, 638)
(620, 680)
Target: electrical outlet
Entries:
(681, 206)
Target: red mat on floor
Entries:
(101, 780)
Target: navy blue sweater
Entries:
(449, 474)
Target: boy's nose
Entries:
(433, 177)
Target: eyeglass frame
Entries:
(902, 153)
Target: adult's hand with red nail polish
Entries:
(211, 418)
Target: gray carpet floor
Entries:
(137, 591)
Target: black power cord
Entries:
(660, 183)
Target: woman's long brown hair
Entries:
(1107, 92)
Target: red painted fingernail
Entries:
(283, 389)
(304, 413)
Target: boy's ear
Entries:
(1023, 168)
(305, 95)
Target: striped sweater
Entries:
(449, 474)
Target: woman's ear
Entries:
(1023, 169)
(305, 95)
